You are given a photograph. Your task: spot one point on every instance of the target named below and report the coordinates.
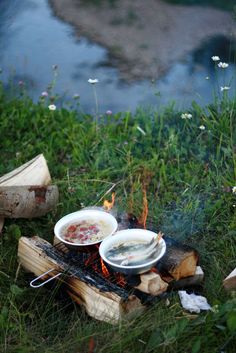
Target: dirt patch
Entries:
(145, 37)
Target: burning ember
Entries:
(95, 262)
(107, 205)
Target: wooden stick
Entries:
(27, 201)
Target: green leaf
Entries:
(3, 316)
(231, 321)
(196, 345)
(14, 232)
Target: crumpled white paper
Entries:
(192, 302)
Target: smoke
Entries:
(185, 218)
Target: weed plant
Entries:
(189, 173)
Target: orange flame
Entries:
(107, 205)
(104, 269)
(143, 218)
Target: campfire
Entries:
(105, 294)
(108, 295)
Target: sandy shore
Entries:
(145, 37)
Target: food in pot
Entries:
(131, 253)
(85, 231)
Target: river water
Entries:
(32, 40)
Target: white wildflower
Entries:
(186, 116)
(93, 81)
(141, 130)
(234, 190)
(225, 88)
(52, 107)
(215, 58)
(202, 127)
(223, 65)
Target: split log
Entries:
(27, 201)
(230, 281)
(195, 280)
(99, 297)
(179, 260)
(151, 283)
(34, 172)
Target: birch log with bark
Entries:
(27, 201)
(18, 200)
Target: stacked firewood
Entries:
(103, 300)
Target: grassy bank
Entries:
(189, 172)
(224, 5)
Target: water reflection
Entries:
(32, 39)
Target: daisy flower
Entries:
(215, 58)
(223, 65)
(93, 81)
(52, 107)
(225, 88)
(186, 116)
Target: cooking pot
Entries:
(128, 235)
(102, 218)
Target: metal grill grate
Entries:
(89, 260)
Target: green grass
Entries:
(189, 175)
(228, 5)
(224, 5)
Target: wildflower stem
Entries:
(232, 141)
(96, 105)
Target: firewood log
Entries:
(151, 283)
(27, 201)
(34, 172)
(230, 281)
(179, 260)
(195, 280)
(99, 299)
